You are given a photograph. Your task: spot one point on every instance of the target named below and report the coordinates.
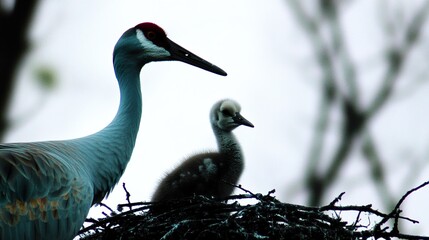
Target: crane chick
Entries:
(209, 173)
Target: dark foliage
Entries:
(205, 218)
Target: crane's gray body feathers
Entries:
(47, 188)
(42, 193)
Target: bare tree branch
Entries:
(329, 91)
(337, 66)
(396, 56)
(377, 169)
(227, 218)
(13, 46)
(398, 205)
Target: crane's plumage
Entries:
(209, 173)
(47, 188)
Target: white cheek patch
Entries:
(149, 47)
(140, 36)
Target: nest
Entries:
(200, 217)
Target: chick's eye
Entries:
(227, 113)
(151, 35)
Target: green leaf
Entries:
(46, 77)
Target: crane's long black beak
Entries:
(241, 120)
(183, 55)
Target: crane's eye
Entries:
(151, 35)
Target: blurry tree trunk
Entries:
(340, 89)
(14, 25)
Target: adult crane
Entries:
(47, 188)
(212, 173)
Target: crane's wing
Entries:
(41, 195)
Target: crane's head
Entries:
(225, 114)
(147, 42)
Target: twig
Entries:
(110, 209)
(128, 195)
(337, 199)
(202, 217)
(257, 196)
(398, 205)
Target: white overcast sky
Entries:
(270, 73)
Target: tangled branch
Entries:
(200, 217)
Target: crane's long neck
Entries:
(112, 147)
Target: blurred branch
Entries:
(378, 174)
(416, 165)
(353, 122)
(13, 46)
(337, 66)
(396, 59)
(316, 181)
(2, 10)
(396, 56)
(327, 97)
(341, 52)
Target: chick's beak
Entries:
(241, 120)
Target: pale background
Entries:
(270, 73)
